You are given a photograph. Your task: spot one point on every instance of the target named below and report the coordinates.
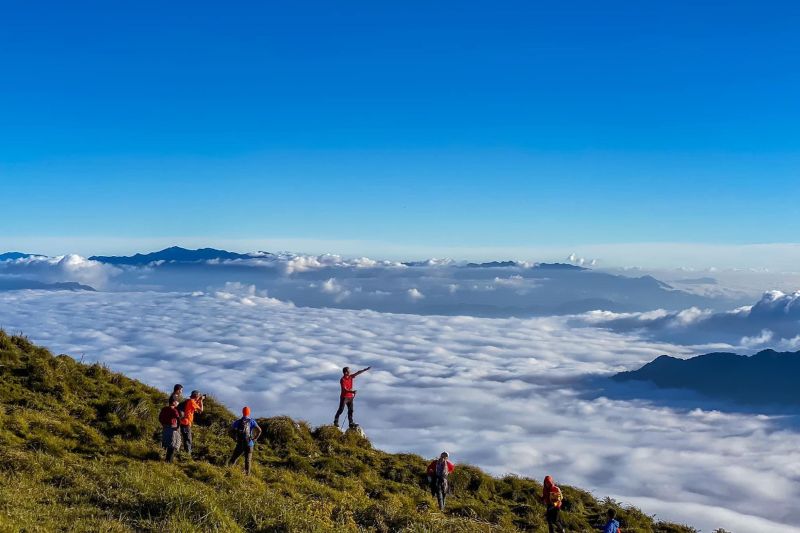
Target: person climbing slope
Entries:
(438, 472)
(170, 434)
(612, 526)
(194, 404)
(246, 431)
(347, 395)
(552, 499)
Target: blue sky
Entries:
(418, 126)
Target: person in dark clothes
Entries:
(246, 432)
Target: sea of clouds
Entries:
(508, 394)
(773, 321)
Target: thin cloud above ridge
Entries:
(70, 267)
(506, 387)
(773, 321)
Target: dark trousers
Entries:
(246, 450)
(342, 402)
(554, 524)
(186, 437)
(439, 489)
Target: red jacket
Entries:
(347, 385)
(432, 468)
(169, 417)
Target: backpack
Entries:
(243, 430)
(556, 497)
(442, 470)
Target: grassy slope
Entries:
(79, 452)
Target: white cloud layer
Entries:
(772, 322)
(502, 393)
(69, 267)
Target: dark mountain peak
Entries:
(493, 264)
(18, 284)
(171, 254)
(558, 266)
(768, 377)
(540, 266)
(10, 256)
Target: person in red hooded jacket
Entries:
(170, 435)
(348, 395)
(552, 499)
(438, 471)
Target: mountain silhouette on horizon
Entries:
(173, 253)
(10, 256)
(765, 378)
(541, 266)
(18, 284)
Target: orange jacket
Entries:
(190, 407)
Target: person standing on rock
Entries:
(347, 395)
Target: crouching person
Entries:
(170, 434)
(246, 432)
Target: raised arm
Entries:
(361, 371)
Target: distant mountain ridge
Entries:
(173, 253)
(17, 284)
(768, 377)
(10, 256)
(542, 266)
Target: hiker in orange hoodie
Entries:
(552, 499)
(194, 404)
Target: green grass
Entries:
(79, 452)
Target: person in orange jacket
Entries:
(552, 499)
(194, 404)
(438, 471)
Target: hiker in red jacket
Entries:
(438, 471)
(552, 499)
(347, 395)
(170, 434)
